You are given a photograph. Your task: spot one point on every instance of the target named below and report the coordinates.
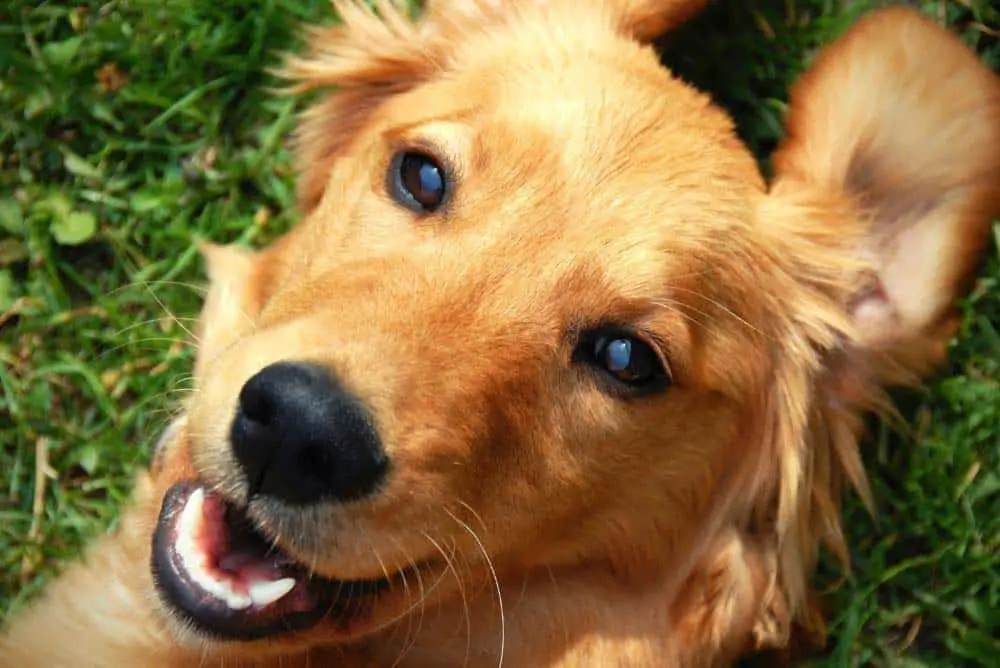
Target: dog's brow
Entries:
(400, 132)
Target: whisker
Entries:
(493, 572)
(169, 392)
(425, 593)
(385, 570)
(406, 591)
(150, 321)
(378, 557)
(423, 607)
(725, 309)
(410, 639)
(136, 346)
(475, 514)
(565, 628)
(200, 289)
(674, 308)
(169, 313)
(461, 591)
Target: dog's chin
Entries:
(226, 581)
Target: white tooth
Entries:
(237, 602)
(196, 501)
(187, 525)
(266, 593)
(220, 589)
(194, 560)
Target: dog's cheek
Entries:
(171, 457)
(729, 592)
(166, 440)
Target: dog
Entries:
(548, 375)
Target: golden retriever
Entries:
(548, 375)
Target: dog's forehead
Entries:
(606, 158)
(606, 111)
(597, 135)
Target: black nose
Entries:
(300, 437)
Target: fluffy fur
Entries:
(555, 524)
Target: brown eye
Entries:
(418, 181)
(626, 359)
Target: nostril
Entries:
(249, 441)
(256, 401)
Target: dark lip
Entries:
(343, 603)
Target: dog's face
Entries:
(542, 312)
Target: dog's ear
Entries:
(234, 298)
(647, 20)
(883, 195)
(901, 122)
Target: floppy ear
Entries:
(647, 20)
(902, 122)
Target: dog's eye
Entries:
(418, 182)
(626, 358)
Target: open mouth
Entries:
(227, 580)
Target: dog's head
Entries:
(544, 311)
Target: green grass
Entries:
(103, 188)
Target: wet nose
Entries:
(300, 437)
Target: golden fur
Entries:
(553, 524)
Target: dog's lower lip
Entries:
(280, 595)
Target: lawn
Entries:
(130, 128)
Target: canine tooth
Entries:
(236, 602)
(221, 590)
(266, 593)
(187, 525)
(196, 501)
(196, 563)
